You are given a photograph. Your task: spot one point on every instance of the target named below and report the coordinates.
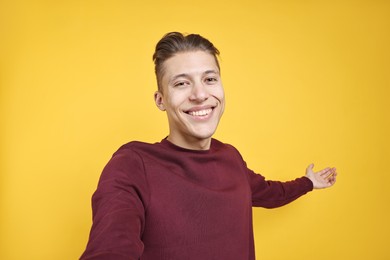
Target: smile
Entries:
(203, 112)
(200, 112)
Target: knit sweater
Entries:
(163, 202)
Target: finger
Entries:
(332, 174)
(331, 181)
(329, 174)
(324, 171)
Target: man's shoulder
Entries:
(134, 153)
(136, 146)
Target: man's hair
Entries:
(175, 42)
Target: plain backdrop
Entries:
(305, 81)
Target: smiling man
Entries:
(189, 196)
(192, 94)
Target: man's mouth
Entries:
(203, 112)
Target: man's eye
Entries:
(211, 80)
(179, 84)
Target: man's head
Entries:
(190, 89)
(173, 43)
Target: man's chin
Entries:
(204, 135)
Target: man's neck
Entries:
(191, 143)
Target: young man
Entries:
(188, 196)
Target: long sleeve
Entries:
(119, 210)
(272, 194)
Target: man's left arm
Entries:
(272, 194)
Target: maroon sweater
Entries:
(160, 201)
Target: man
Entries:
(189, 196)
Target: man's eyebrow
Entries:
(184, 75)
(211, 72)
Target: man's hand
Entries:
(322, 179)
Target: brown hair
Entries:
(175, 42)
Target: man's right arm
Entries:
(119, 210)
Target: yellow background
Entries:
(305, 81)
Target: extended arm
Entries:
(118, 210)
(272, 194)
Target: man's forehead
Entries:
(190, 63)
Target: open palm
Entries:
(322, 179)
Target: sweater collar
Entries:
(167, 144)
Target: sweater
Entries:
(163, 202)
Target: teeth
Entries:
(200, 112)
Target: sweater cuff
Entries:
(308, 183)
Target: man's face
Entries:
(193, 98)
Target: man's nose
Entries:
(199, 92)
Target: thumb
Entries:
(310, 167)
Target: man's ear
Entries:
(158, 99)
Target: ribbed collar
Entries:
(167, 144)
